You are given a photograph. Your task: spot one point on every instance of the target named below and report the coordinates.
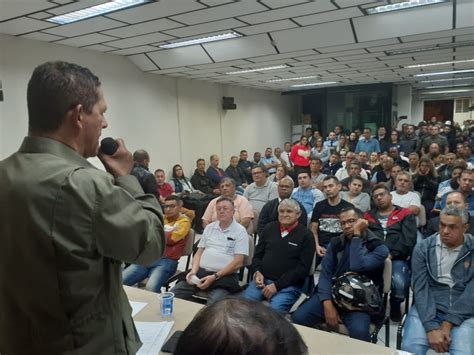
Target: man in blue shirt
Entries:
(368, 144)
(269, 161)
(331, 143)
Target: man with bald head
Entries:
(140, 171)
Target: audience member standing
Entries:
(140, 170)
(300, 155)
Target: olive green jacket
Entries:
(65, 227)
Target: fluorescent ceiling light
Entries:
(402, 6)
(440, 63)
(446, 91)
(94, 11)
(446, 72)
(288, 79)
(283, 66)
(190, 42)
(435, 80)
(313, 84)
(431, 48)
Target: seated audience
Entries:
(360, 200)
(358, 250)
(342, 144)
(452, 184)
(306, 194)
(269, 162)
(256, 158)
(245, 165)
(354, 169)
(446, 170)
(374, 161)
(282, 259)
(261, 190)
(385, 174)
(394, 141)
(344, 172)
(453, 198)
(466, 186)
(317, 176)
(140, 170)
(320, 151)
(394, 153)
(281, 172)
(243, 212)
(331, 142)
(235, 173)
(333, 164)
(409, 142)
(325, 218)
(201, 181)
(220, 255)
(434, 137)
(181, 184)
(269, 212)
(177, 228)
(240, 327)
(352, 142)
(403, 196)
(425, 181)
(215, 173)
(397, 227)
(413, 160)
(164, 189)
(285, 156)
(442, 317)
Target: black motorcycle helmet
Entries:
(355, 292)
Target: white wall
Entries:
(175, 120)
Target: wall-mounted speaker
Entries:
(228, 103)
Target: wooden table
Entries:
(318, 342)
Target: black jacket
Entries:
(269, 213)
(202, 182)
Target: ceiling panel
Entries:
(163, 8)
(143, 28)
(79, 5)
(220, 12)
(134, 50)
(332, 33)
(368, 44)
(222, 64)
(85, 40)
(139, 40)
(329, 16)
(280, 56)
(179, 57)
(23, 25)
(240, 48)
(275, 4)
(39, 36)
(143, 62)
(95, 24)
(40, 15)
(205, 28)
(346, 3)
(286, 12)
(267, 27)
(99, 48)
(404, 23)
(15, 8)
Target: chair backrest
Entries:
(248, 259)
(422, 217)
(387, 275)
(188, 248)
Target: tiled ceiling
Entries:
(334, 40)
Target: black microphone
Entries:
(108, 146)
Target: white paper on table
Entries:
(153, 336)
(137, 307)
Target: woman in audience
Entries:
(300, 155)
(425, 181)
(240, 327)
(413, 159)
(180, 183)
(342, 144)
(359, 199)
(320, 151)
(374, 160)
(394, 140)
(281, 172)
(352, 142)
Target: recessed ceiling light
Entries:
(257, 69)
(402, 6)
(296, 78)
(435, 80)
(447, 91)
(94, 11)
(431, 48)
(440, 63)
(446, 72)
(208, 39)
(313, 84)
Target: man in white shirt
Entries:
(402, 196)
(220, 255)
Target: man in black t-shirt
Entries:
(325, 219)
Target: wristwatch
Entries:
(216, 275)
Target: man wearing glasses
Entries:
(261, 190)
(177, 228)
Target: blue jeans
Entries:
(157, 274)
(415, 339)
(311, 312)
(280, 302)
(401, 276)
